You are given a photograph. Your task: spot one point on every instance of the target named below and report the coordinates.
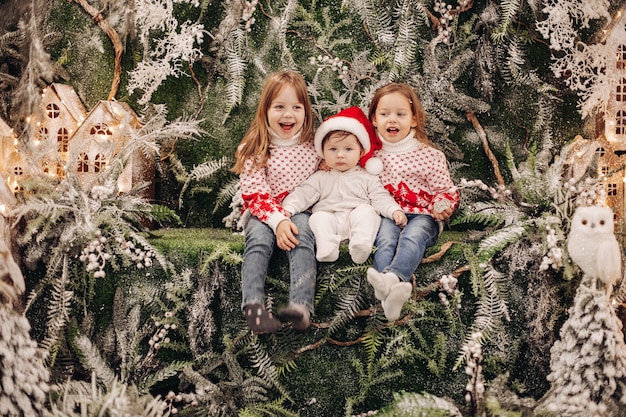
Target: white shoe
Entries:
(399, 294)
(381, 282)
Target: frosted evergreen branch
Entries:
(59, 307)
(90, 358)
(203, 171)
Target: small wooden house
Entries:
(611, 124)
(108, 128)
(62, 113)
(12, 166)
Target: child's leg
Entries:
(419, 234)
(364, 222)
(386, 243)
(327, 239)
(303, 274)
(259, 246)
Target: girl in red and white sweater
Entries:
(417, 175)
(274, 156)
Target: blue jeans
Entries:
(260, 245)
(400, 250)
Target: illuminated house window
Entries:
(60, 172)
(42, 133)
(99, 163)
(604, 171)
(611, 189)
(620, 122)
(621, 57)
(620, 91)
(83, 163)
(45, 167)
(100, 129)
(52, 111)
(63, 139)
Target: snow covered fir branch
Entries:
(120, 220)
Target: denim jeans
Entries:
(260, 243)
(400, 250)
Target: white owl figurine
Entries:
(593, 247)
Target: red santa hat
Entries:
(353, 120)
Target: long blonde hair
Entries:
(256, 141)
(416, 106)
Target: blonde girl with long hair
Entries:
(275, 155)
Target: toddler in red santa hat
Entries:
(348, 199)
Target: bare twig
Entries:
(115, 39)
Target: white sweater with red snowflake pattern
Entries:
(417, 176)
(264, 188)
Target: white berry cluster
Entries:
(160, 336)
(586, 192)
(554, 258)
(449, 286)
(142, 256)
(95, 255)
(496, 193)
(335, 64)
(446, 17)
(248, 10)
(473, 354)
(170, 399)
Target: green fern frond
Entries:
(274, 408)
(164, 214)
(489, 213)
(372, 340)
(173, 368)
(204, 171)
(266, 368)
(350, 300)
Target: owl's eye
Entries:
(584, 222)
(601, 222)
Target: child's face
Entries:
(342, 152)
(286, 113)
(394, 118)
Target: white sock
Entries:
(327, 253)
(381, 282)
(360, 253)
(399, 293)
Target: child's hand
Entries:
(442, 210)
(400, 218)
(323, 166)
(286, 232)
(443, 215)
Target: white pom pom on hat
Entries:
(353, 120)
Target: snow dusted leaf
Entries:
(163, 57)
(582, 66)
